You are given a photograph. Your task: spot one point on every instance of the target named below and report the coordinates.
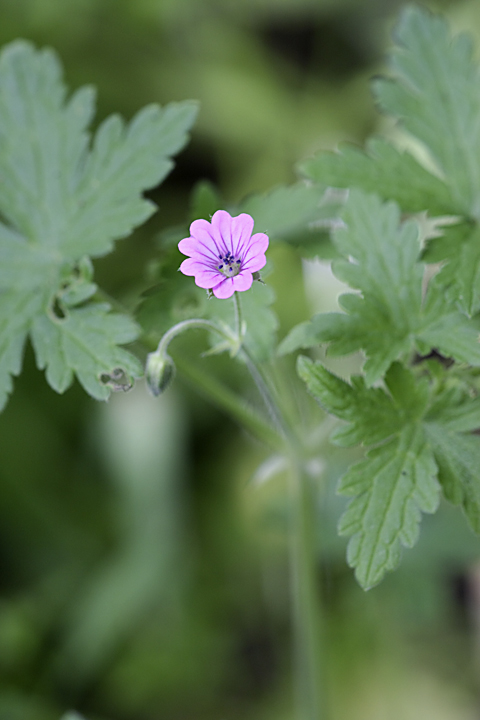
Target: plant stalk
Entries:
(227, 400)
(305, 591)
(306, 600)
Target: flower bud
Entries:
(159, 372)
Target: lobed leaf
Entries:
(392, 487)
(397, 479)
(386, 171)
(299, 214)
(458, 460)
(435, 93)
(389, 319)
(85, 342)
(62, 201)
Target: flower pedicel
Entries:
(223, 254)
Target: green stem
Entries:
(255, 372)
(306, 597)
(238, 315)
(180, 328)
(306, 601)
(306, 606)
(225, 399)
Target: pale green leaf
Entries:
(302, 336)
(124, 161)
(397, 480)
(62, 200)
(389, 319)
(392, 486)
(460, 276)
(300, 214)
(384, 170)
(261, 321)
(85, 342)
(435, 93)
(53, 190)
(458, 459)
(370, 413)
(455, 409)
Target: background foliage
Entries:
(142, 543)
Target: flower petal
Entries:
(197, 248)
(242, 228)
(209, 242)
(194, 266)
(222, 222)
(259, 242)
(256, 262)
(225, 289)
(254, 257)
(208, 279)
(243, 281)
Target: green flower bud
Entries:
(159, 372)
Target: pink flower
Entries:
(223, 254)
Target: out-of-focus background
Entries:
(143, 554)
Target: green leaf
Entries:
(393, 485)
(380, 257)
(85, 342)
(299, 214)
(397, 479)
(61, 201)
(435, 93)
(384, 170)
(418, 437)
(370, 413)
(458, 460)
(460, 276)
(261, 321)
(205, 201)
(302, 336)
(455, 409)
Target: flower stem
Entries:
(225, 399)
(238, 316)
(306, 606)
(306, 602)
(180, 327)
(255, 372)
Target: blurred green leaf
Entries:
(435, 93)
(205, 201)
(396, 481)
(299, 214)
(416, 439)
(260, 319)
(458, 460)
(64, 202)
(384, 170)
(380, 257)
(85, 342)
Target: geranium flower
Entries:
(223, 254)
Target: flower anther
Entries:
(223, 254)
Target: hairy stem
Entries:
(227, 400)
(306, 602)
(180, 328)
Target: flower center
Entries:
(228, 266)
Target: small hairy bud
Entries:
(159, 372)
